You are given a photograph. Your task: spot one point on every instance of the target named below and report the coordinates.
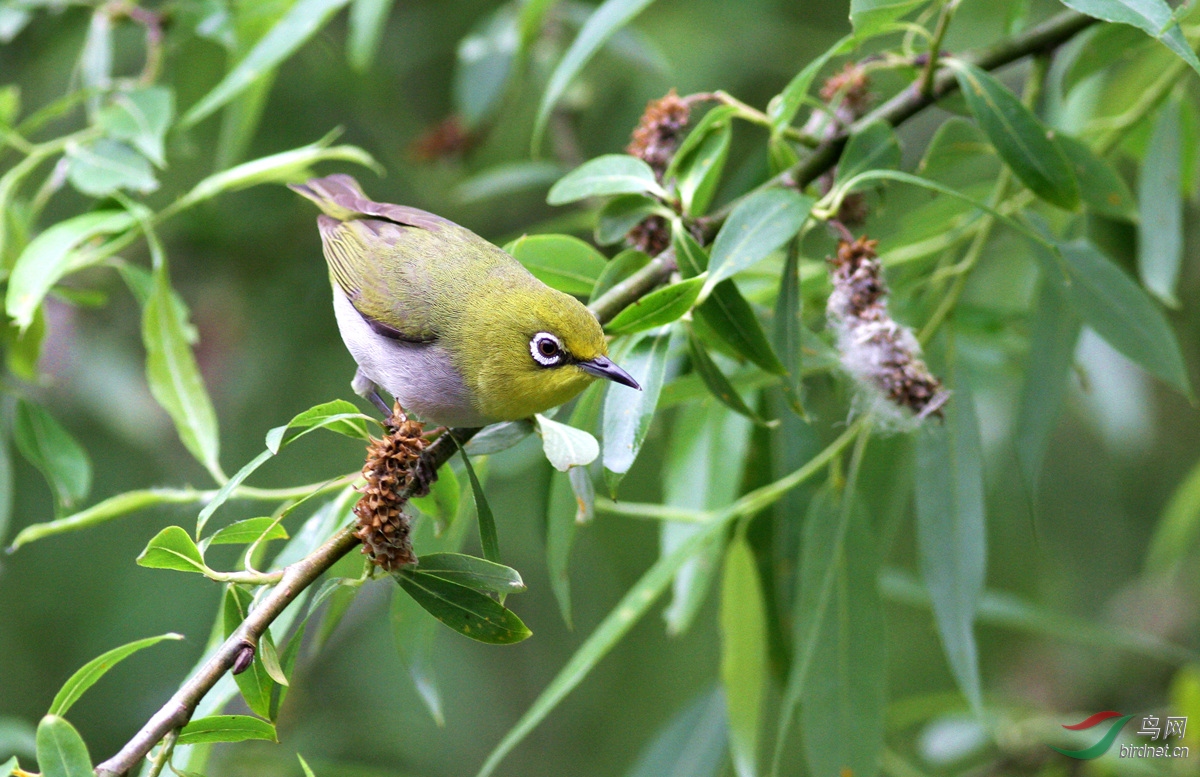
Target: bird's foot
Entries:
(423, 476)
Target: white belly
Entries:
(420, 376)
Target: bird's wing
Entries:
(383, 256)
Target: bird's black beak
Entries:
(603, 367)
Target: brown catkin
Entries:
(391, 473)
(881, 353)
(660, 131)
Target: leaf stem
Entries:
(935, 46)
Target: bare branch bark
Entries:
(298, 576)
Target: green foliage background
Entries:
(1106, 634)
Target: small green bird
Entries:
(450, 325)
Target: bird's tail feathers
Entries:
(336, 195)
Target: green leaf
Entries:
(718, 384)
(951, 534)
(700, 171)
(174, 377)
(441, 504)
(226, 728)
(603, 176)
(284, 167)
(414, 632)
(11, 765)
(141, 117)
(691, 744)
(609, 17)
(292, 31)
(337, 416)
(564, 445)
(60, 750)
(499, 437)
(93, 670)
(1103, 46)
(618, 269)
(873, 147)
(1178, 527)
(743, 621)
(53, 254)
(1120, 312)
(368, 20)
(659, 307)
(261, 529)
(759, 225)
(507, 179)
(52, 451)
(622, 213)
(1160, 234)
(871, 17)
(1154, 17)
(254, 683)
(1019, 136)
(628, 412)
(102, 512)
(172, 548)
(725, 311)
(1052, 341)
(561, 262)
(308, 772)
(845, 697)
(103, 167)
(783, 106)
(714, 120)
(6, 488)
(702, 470)
(463, 609)
(1101, 187)
(271, 665)
(562, 513)
(488, 539)
(960, 156)
(789, 328)
(23, 349)
(485, 59)
(475, 573)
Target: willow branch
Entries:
(298, 576)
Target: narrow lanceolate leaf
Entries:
(726, 311)
(627, 411)
(1112, 304)
(622, 213)
(93, 670)
(1052, 341)
(717, 383)
(561, 526)
(743, 653)
(499, 437)
(337, 416)
(54, 452)
(789, 328)
(260, 529)
(1154, 17)
(441, 504)
(172, 548)
(488, 539)
(292, 31)
(174, 377)
(561, 262)
(1178, 528)
(226, 728)
(60, 750)
(871, 17)
(605, 175)
(759, 225)
(255, 683)
(53, 254)
(476, 573)
(564, 445)
(1019, 136)
(691, 744)
(700, 172)
(951, 536)
(783, 106)
(618, 269)
(368, 20)
(1102, 188)
(1160, 234)
(227, 490)
(657, 308)
(102, 512)
(845, 698)
(609, 17)
(485, 59)
(414, 633)
(466, 610)
(873, 147)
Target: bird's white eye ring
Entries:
(546, 349)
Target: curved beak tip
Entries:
(603, 367)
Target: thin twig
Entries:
(935, 47)
(298, 576)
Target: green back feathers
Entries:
(422, 278)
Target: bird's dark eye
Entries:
(546, 349)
